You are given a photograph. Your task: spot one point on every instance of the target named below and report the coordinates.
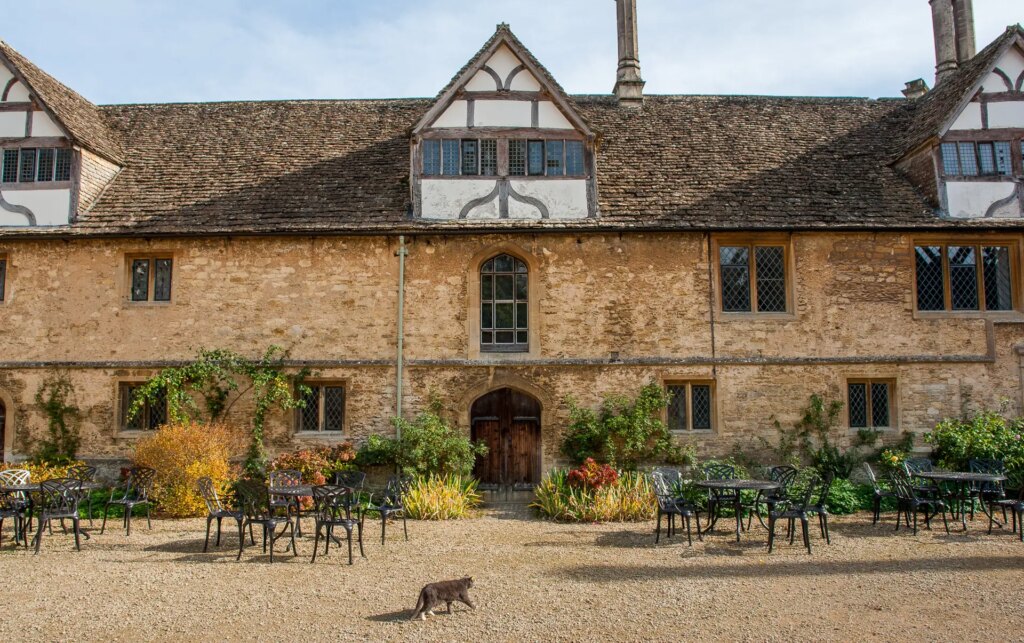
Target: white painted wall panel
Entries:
(12, 124)
(18, 93)
(968, 200)
(51, 207)
(454, 116)
(564, 199)
(502, 113)
(43, 125)
(481, 82)
(549, 116)
(1009, 114)
(5, 76)
(970, 118)
(445, 198)
(524, 82)
(517, 210)
(1012, 63)
(993, 83)
(503, 61)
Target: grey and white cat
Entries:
(447, 592)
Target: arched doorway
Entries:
(3, 432)
(508, 422)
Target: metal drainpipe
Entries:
(711, 308)
(402, 253)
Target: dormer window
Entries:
(460, 157)
(32, 165)
(986, 158)
(546, 158)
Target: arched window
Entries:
(504, 288)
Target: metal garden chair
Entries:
(912, 503)
(337, 506)
(717, 498)
(135, 493)
(216, 511)
(10, 508)
(59, 500)
(880, 493)
(85, 473)
(783, 474)
(391, 503)
(820, 506)
(791, 511)
(286, 478)
(254, 501)
(668, 489)
(19, 500)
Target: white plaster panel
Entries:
(445, 198)
(566, 199)
(524, 82)
(12, 124)
(993, 83)
(18, 93)
(970, 118)
(1012, 64)
(51, 207)
(5, 76)
(489, 210)
(503, 61)
(481, 82)
(517, 210)
(454, 116)
(550, 117)
(43, 125)
(969, 200)
(502, 113)
(1008, 114)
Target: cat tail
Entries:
(420, 604)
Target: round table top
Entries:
(36, 486)
(756, 485)
(298, 491)
(960, 476)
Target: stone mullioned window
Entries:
(869, 403)
(964, 277)
(480, 157)
(753, 278)
(323, 409)
(691, 406)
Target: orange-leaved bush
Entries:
(182, 454)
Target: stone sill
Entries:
(326, 436)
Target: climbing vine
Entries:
(214, 376)
(55, 399)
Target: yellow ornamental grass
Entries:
(183, 453)
(448, 497)
(628, 499)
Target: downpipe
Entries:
(400, 363)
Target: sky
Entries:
(130, 51)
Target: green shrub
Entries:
(377, 451)
(448, 497)
(985, 435)
(629, 499)
(430, 445)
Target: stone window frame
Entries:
(752, 241)
(321, 384)
(894, 405)
(689, 383)
(1017, 292)
(126, 277)
(121, 388)
(535, 292)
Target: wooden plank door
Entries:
(524, 451)
(488, 469)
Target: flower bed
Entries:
(593, 494)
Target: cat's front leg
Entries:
(468, 601)
(449, 606)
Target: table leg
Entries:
(739, 516)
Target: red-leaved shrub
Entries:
(593, 475)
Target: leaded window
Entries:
(555, 161)
(30, 165)
(27, 173)
(151, 279)
(470, 157)
(549, 158)
(62, 167)
(987, 158)
(323, 409)
(150, 416)
(753, 278)
(536, 158)
(690, 406)
(517, 158)
(963, 277)
(489, 157)
(504, 305)
(869, 403)
(431, 157)
(44, 171)
(10, 168)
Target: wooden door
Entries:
(508, 422)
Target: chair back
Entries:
(667, 485)
(900, 482)
(82, 472)
(918, 465)
(10, 477)
(333, 502)
(208, 491)
(351, 479)
(824, 487)
(60, 496)
(395, 490)
(139, 484)
(869, 473)
(785, 475)
(253, 500)
(717, 471)
(283, 478)
(991, 466)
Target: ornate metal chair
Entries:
(391, 503)
(254, 501)
(352, 479)
(216, 511)
(820, 505)
(290, 504)
(717, 498)
(912, 503)
(791, 511)
(59, 500)
(1016, 508)
(668, 489)
(135, 493)
(923, 487)
(10, 508)
(785, 475)
(986, 491)
(19, 500)
(880, 493)
(337, 506)
(85, 473)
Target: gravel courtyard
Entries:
(534, 580)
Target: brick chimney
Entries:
(963, 18)
(944, 26)
(915, 89)
(629, 86)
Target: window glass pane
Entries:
(127, 395)
(857, 395)
(522, 287)
(503, 263)
(968, 161)
(536, 158)
(987, 158)
(771, 279)
(140, 280)
(1004, 162)
(489, 266)
(162, 280)
(963, 277)
(489, 157)
(504, 316)
(517, 158)
(28, 165)
(520, 266)
(157, 411)
(63, 165)
(487, 287)
(487, 316)
(522, 337)
(735, 271)
(998, 286)
(45, 170)
(487, 337)
(503, 287)
(309, 415)
(431, 157)
(554, 158)
(928, 261)
(677, 408)
(701, 406)
(10, 169)
(504, 337)
(3, 278)
(574, 158)
(334, 408)
(450, 157)
(879, 404)
(521, 316)
(950, 164)
(470, 158)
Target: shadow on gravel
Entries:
(395, 617)
(809, 566)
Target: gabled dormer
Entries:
(56, 151)
(503, 141)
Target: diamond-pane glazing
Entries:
(771, 279)
(930, 290)
(157, 410)
(735, 272)
(998, 285)
(677, 408)
(963, 277)
(857, 396)
(879, 404)
(140, 280)
(162, 280)
(701, 406)
(334, 408)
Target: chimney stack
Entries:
(915, 89)
(943, 24)
(629, 86)
(963, 18)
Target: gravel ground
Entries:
(534, 580)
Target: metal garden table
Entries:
(718, 486)
(36, 487)
(962, 480)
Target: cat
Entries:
(447, 591)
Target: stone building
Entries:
(745, 252)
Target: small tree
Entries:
(55, 399)
(430, 445)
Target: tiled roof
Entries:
(82, 120)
